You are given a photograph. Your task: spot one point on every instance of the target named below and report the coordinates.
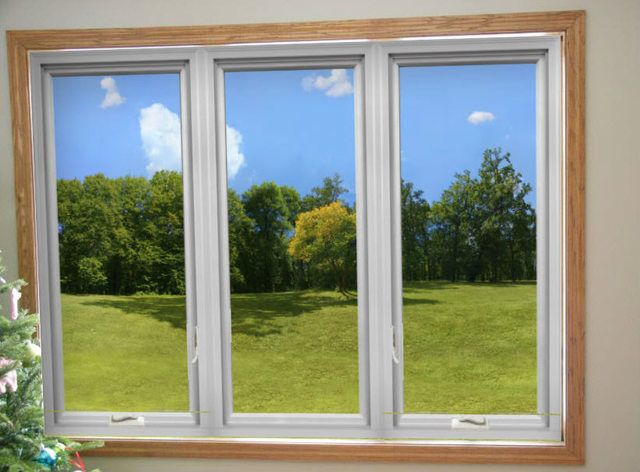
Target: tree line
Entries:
(125, 235)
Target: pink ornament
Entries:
(15, 296)
(8, 381)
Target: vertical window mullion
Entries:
(380, 243)
(206, 243)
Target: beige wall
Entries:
(613, 169)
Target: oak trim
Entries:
(574, 64)
(367, 451)
(571, 24)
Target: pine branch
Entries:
(21, 417)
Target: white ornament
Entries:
(15, 296)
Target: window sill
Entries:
(345, 450)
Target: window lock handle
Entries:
(195, 345)
(394, 345)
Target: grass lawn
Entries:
(469, 348)
(295, 352)
(124, 353)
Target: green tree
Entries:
(452, 216)
(415, 232)
(91, 278)
(165, 212)
(129, 269)
(267, 266)
(240, 227)
(129, 228)
(329, 192)
(88, 225)
(70, 236)
(292, 201)
(484, 228)
(505, 228)
(326, 238)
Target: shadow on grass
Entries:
(419, 301)
(253, 314)
(421, 286)
(169, 309)
(258, 314)
(261, 314)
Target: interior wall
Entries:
(612, 195)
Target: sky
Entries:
(296, 127)
(450, 114)
(118, 125)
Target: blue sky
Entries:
(294, 131)
(296, 127)
(129, 129)
(450, 114)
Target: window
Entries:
(335, 241)
(469, 221)
(292, 241)
(120, 233)
(480, 350)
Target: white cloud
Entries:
(112, 98)
(478, 117)
(235, 158)
(337, 84)
(160, 133)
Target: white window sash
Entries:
(45, 65)
(281, 58)
(544, 52)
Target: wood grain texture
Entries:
(18, 60)
(391, 28)
(363, 452)
(575, 236)
(571, 24)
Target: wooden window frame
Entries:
(570, 25)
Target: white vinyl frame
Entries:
(45, 66)
(547, 423)
(375, 65)
(300, 58)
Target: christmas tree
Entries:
(23, 445)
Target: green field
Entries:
(469, 348)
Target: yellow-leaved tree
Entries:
(325, 238)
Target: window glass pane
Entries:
(292, 240)
(121, 242)
(468, 202)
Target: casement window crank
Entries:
(470, 423)
(126, 419)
